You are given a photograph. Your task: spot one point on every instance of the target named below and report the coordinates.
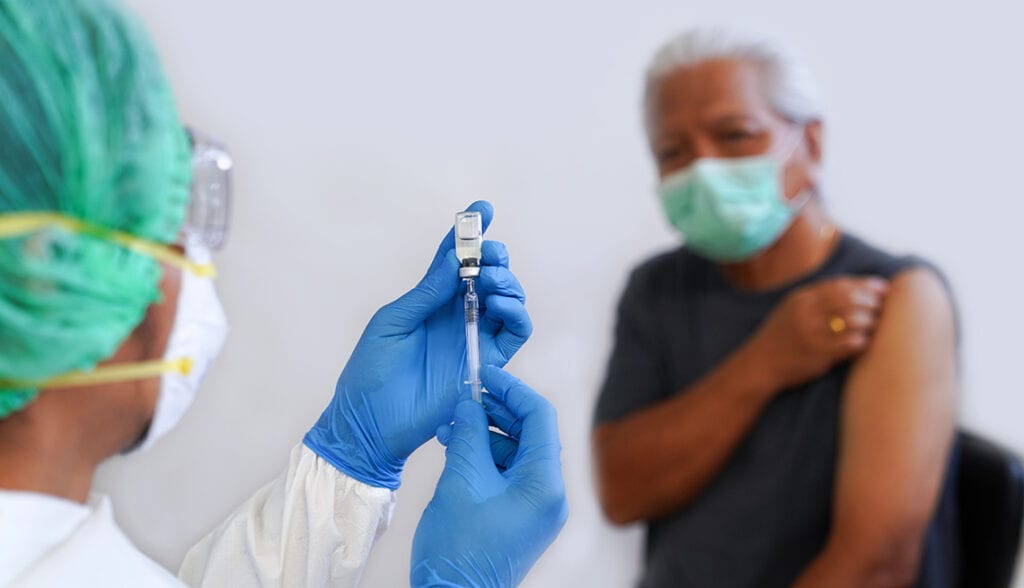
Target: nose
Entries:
(704, 147)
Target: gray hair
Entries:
(791, 87)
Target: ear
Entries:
(812, 140)
(805, 170)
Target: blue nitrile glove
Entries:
(500, 501)
(408, 370)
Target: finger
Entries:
(853, 343)
(500, 281)
(876, 284)
(448, 243)
(494, 253)
(503, 450)
(866, 299)
(868, 292)
(539, 434)
(444, 434)
(469, 444)
(436, 289)
(506, 327)
(859, 319)
(500, 416)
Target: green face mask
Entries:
(729, 210)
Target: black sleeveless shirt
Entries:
(766, 514)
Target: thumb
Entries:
(437, 288)
(469, 445)
(444, 434)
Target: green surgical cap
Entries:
(88, 129)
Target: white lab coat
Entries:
(312, 526)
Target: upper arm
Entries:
(898, 418)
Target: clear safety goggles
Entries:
(206, 219)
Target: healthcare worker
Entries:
(109, 319)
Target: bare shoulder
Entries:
(918, 294)
(908, 374)
(916, 327)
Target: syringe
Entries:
(473, 338)
(469, 237)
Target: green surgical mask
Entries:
(729, 210)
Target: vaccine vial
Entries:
(469, 238)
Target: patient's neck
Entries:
(802, 249)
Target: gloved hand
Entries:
(500, 501)
(408, 370)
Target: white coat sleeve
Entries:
(313, 526)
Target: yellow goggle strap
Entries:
(107, 374)
(26, 223)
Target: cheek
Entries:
(667, 170)
(149, 394)
(156, 330)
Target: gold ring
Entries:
(837, 325)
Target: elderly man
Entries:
(779, 406)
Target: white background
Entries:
(359, 128)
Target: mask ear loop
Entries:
(109, 374)
(801, 198)
(19, 224)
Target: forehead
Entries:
(708, 90)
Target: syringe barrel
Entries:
(472, 305)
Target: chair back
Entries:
(990, 490)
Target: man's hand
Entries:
(818, 326)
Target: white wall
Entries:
(352, 120)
